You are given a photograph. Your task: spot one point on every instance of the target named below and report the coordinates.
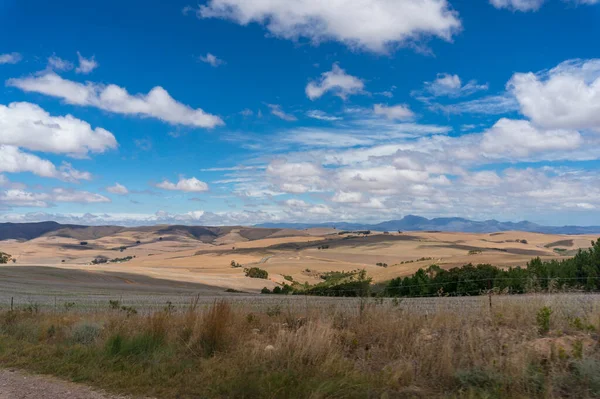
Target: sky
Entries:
(237, 112)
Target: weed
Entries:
(542, 319)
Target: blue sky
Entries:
(239, 112)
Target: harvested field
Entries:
(203, 255)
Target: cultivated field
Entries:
(204, 256)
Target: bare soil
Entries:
(16, 384)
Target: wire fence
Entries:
(422, 303)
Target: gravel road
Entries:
(20, 385)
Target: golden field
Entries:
(177, 255)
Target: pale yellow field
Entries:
(287, 253)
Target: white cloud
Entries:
(156, 104)
(451, 86)
(86, 65)
(11, 58)
(28, 126)
(337, 81)
(295, 177)
(58, 64)
(82, 197)
(400, 112)
(66, 172)
(278, 112)
(323, 116)
(518, 5)
(485, 178)
(13, 160)
(22, 198)
(520, 138)
(198, 217)
(567, 96)
(375, 25)
(296, 203)
(15, 197)
(387, 93)
(320, 209)
(347, 197)
(211, 59)
(378, 179)
(191, 185)
(118, 189)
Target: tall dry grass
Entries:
(373, 350)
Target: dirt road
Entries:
(20, 385)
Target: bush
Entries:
(4, 257)
(83, 243)
(85, 333)
(234, 264)
(255, 272)
(265, 290)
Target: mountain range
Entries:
(28, 231)
(418, 223)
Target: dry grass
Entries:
(373, 350)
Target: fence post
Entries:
(490, 296)
(11, 303)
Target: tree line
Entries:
(579, 272)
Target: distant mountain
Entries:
(418, 223)
(28, 231)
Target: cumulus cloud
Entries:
(13, 160)
(118, 189)
(191, 185)
(452, 86)
(211, 59)
(521, 138)
(278, 112)
(86, 65)
(11, 58)
(567, 96)
(28, 126)
(296, 203)
(376, 25)
(347, 197)
(156, 104)
(400, 112)
(295, 177)
(336, 81)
